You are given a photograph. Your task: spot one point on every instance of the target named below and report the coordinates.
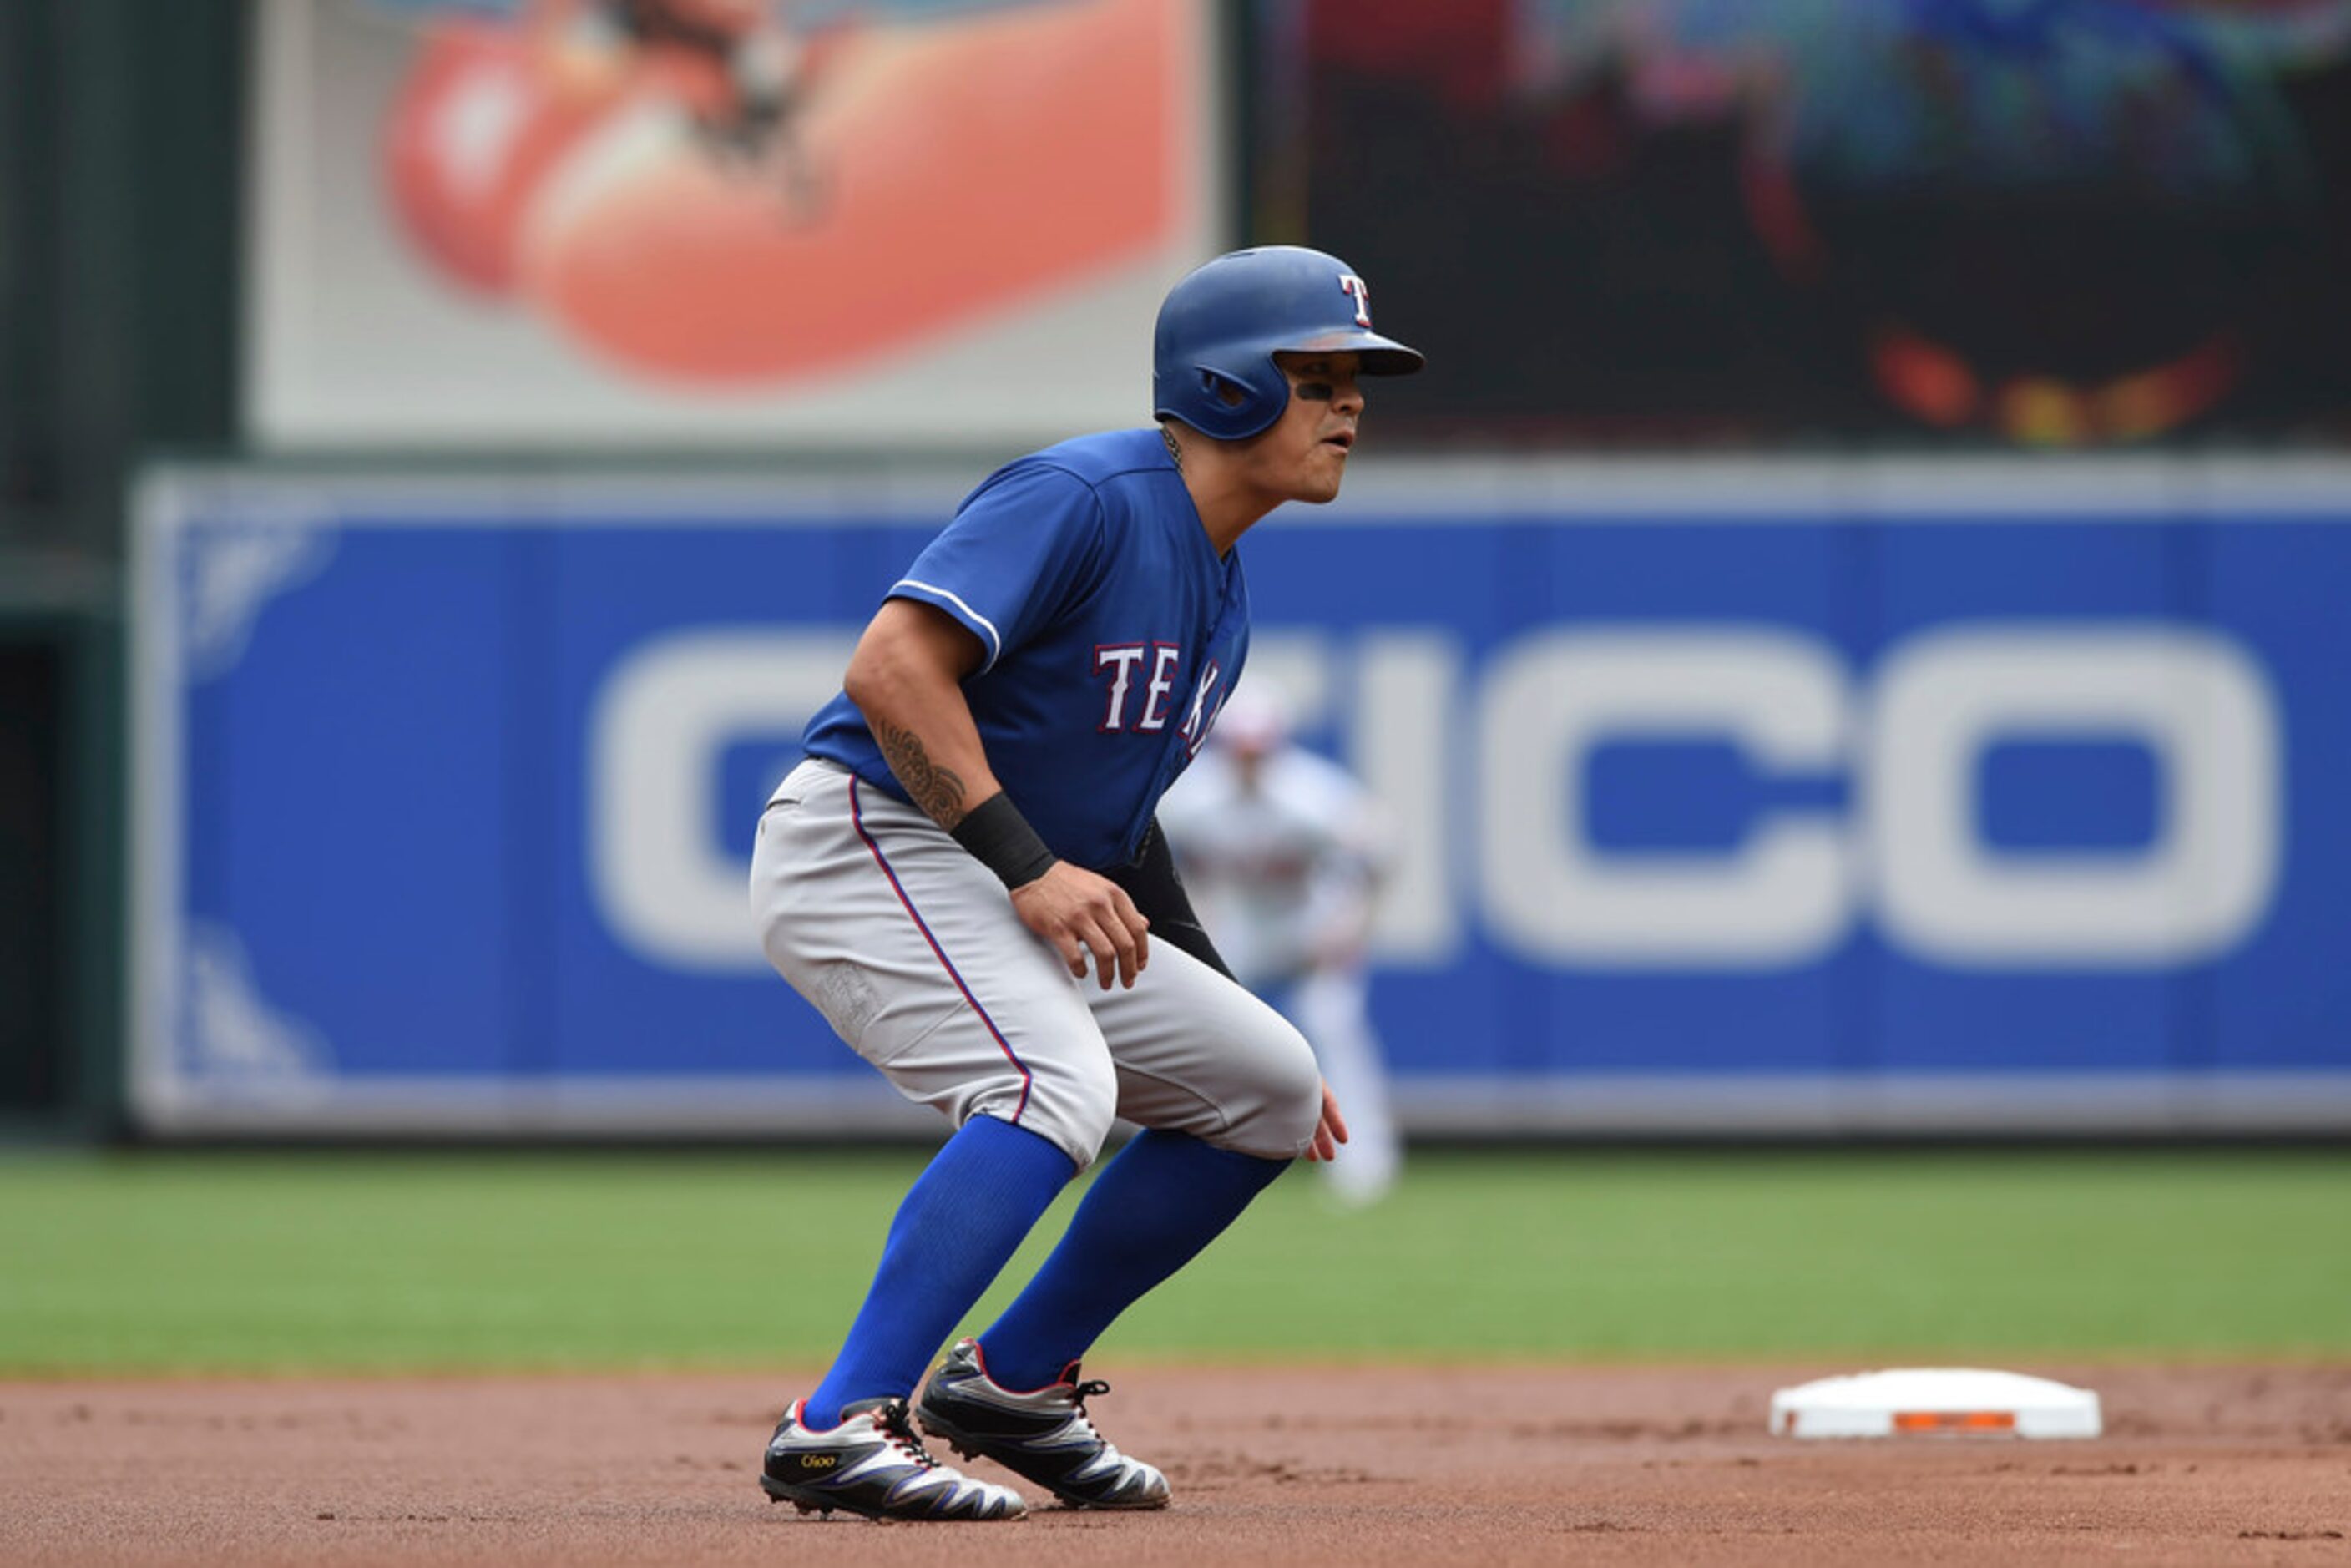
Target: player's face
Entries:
(1304, 456)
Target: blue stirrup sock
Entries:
(1163, 1198)
(960, 1225)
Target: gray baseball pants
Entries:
(912, 951)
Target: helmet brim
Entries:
(1380, 356)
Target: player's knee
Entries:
(1072, 1103)
(1276, 1106)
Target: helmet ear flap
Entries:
(1225, 390)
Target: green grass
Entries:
(285, 1262)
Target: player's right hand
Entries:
(1084, 914)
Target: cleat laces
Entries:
(899, 1431)
(1084, 1419)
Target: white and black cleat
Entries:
(873, 1464)
(1043, 1434)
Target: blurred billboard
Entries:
(686, 222)
(1749, 797)
(2066, 223)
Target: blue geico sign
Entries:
(1773, 797)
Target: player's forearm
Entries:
(937, 761)
(906, 679)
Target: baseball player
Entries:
(967, 878)
(1284, 852)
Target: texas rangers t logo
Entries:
(1362, 291)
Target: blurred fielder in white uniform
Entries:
(1284, 852)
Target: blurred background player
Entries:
(1284, 852)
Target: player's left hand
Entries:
(1329, 1131)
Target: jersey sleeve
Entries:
(1019, 550)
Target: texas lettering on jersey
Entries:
(1207, 703)
(1141, 705)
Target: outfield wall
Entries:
(1735, 798)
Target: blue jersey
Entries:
(1111, 629)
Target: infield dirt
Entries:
(2209, 1464)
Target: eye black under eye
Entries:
(1315, 392)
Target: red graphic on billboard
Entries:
(731, 193)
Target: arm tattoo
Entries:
(1175, 451)
(936, 789)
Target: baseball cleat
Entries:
(1043, 1434)
(873, 1464)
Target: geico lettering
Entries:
(1907, 848)
(1779, 898)
(1787, 893)
(657, 732)
(2196, 703)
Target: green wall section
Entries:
(122, 136)
(122, 125)
(61, 844)
(287, 1262)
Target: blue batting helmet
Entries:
(1222, 325)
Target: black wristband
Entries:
(999, 837)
